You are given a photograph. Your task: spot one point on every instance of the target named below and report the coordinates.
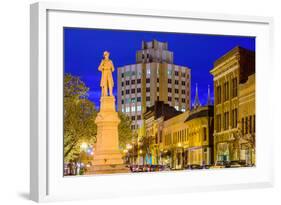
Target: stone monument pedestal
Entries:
(107, 156)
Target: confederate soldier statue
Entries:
(106, 67)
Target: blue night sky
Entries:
(83, 51)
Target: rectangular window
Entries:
(138, 90)
(226, 91)
(234, 87)
(128, 100)
(183, 83)
(176, 90)
(127, 109)
(254, 123)
(147, 90)
(169, 99)
(147, 98)
(234, 118)
(169, 80)
(127, 82)
(148, 70)
(250, 125)
(127, 91)
(226, 120)
(169, 90)
(183, 92)
(139, 117)
(138, 108)
(138, 81)
(183, 100)
(156, 139)
(246, 125)
(133, 108)
(176, 73)
(147, 80)
(218, 94)
(181, 137)
(242, 126)
(169, 72)
(133, 91)
(204, 133)
(176, 82)
(138, 99)
(133, 118)
(133, 81)
(122, 75)
(122, 84)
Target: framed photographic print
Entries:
(127, 102)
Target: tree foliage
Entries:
(79, 116)
(79, 119)
(124, 130)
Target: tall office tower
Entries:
(154, 77)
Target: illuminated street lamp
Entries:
(128, 146)
(125, 151)
(84, 146)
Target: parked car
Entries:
(219, 164)
(194, 166)
(236, 164)
(148, 168)
(206, 166)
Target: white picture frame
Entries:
(46, 178)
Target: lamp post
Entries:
(125, 151)
(83, 147)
